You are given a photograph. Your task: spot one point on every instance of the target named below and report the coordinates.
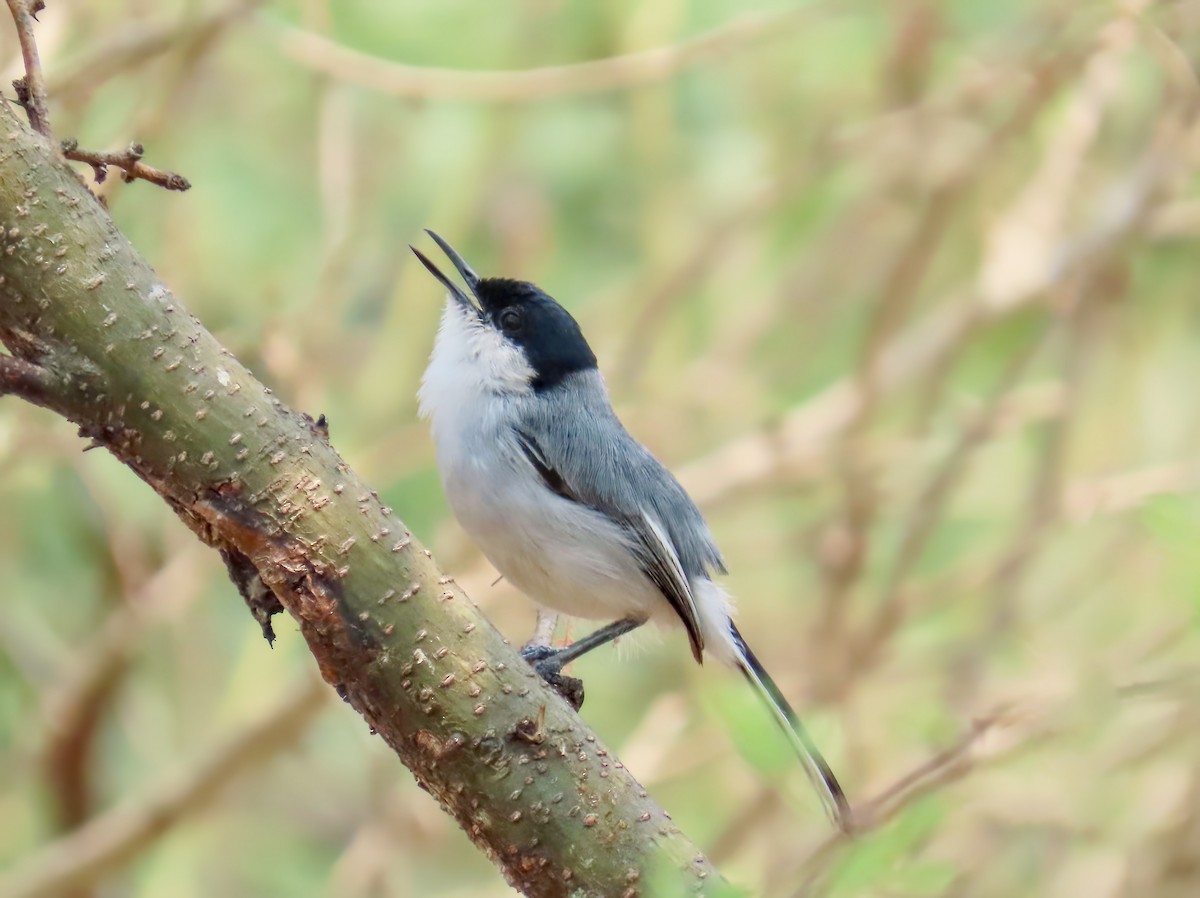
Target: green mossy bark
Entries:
(120, 356)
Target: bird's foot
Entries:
(544, 661)
(535, 652)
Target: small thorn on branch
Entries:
(129, 161)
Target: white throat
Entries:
(471, 361)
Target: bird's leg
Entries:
(549, 662)
(564, 656)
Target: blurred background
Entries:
(907, 295)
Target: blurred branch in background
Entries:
(112, 838)
(929, 507)
(617, 73)
(75, 708)
(988, 738)
(134, 43)
(1004, 289)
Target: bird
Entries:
(569, 507)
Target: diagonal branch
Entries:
(516, 768)
(136, 42)
(1002, 731)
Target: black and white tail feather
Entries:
(819, 773)
(569, 507)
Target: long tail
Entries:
(823, 780)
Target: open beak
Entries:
(464, 270)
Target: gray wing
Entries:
(587, 456)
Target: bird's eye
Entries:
(511, 320)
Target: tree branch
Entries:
(531, 785)
(615, 73)
(31, 90)
(19, 377)
(129, 161)
(31, 94)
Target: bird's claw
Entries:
(535, 653)
(542, 659)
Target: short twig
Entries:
(129, 161)
(31, 94)
(31, 90)
(31, 382)
(543, 630)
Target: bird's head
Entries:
(519, 320)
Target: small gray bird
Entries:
(570, 508)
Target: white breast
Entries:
(559, 553)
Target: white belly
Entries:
(561, 554)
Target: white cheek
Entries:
(470, 362)
(502, 365)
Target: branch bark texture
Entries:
(95, 336)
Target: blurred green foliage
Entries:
(1003, 529)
